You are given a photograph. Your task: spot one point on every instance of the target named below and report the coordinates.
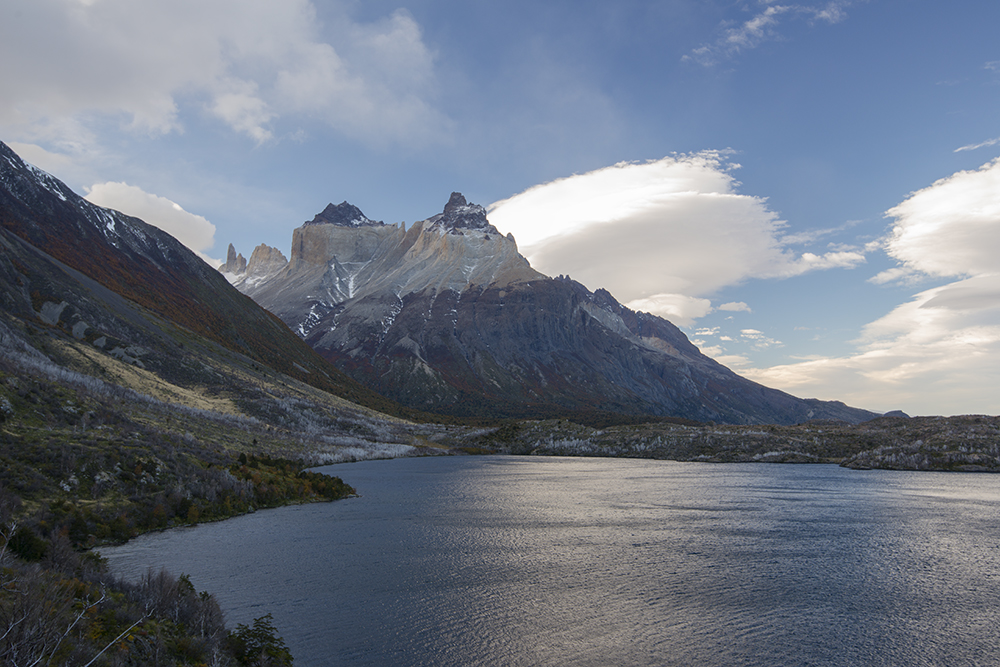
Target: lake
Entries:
(589, 561)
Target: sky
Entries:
(810, 190)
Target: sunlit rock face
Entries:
(447, 316)
(341, 258)
(264, 263)
(235, 264)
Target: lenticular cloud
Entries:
(660, 235)
(951, 228)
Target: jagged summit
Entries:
(234, 263)
(264, 263)
(460, 214)
(446, 315)
(344, 215)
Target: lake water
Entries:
(573, 561)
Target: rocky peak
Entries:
(459, 214)
(234, 263)
(604, 299)
(455, 202)
(344, 215)
(265, 261)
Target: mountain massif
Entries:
(446, 316)
(132, 291)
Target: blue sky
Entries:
(810, 189)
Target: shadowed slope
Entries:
(146, 266)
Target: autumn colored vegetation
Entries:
(83, 463)
(65, 609)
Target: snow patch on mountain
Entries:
(460, 216)
(48, 181)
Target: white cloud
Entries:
(53, 163)
(679, 309)
(895, 274)
(763, 27)
(951, 228)
(982, 144)
(758, 339)
(939, 353)
(756, 30)
(662, 236)
(814, 235)
(243, 110)
(734, 361)
(247, 62)
(735, 307)
(192, 230)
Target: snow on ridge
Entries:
(46, 180)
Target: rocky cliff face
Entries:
(447, 316)
(235, 263)
(264, 263)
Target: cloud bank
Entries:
(192, 230)
(245, 63)
(939, 353)
(662, 236)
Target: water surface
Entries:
(535, 561)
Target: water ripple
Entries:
(518, 561)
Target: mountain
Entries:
(447, 316)
(133, 292)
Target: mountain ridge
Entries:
(133, 261)
(447, 316)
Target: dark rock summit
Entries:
(459, 214)
(344, 215)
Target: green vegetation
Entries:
(259, 644)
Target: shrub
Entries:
(259, 644)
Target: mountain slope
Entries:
(120, 284)
(447, 316)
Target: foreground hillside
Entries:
(447, 316)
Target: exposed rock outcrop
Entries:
(343, 214)
(459, 214)
(265, 262)
(235, 264)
